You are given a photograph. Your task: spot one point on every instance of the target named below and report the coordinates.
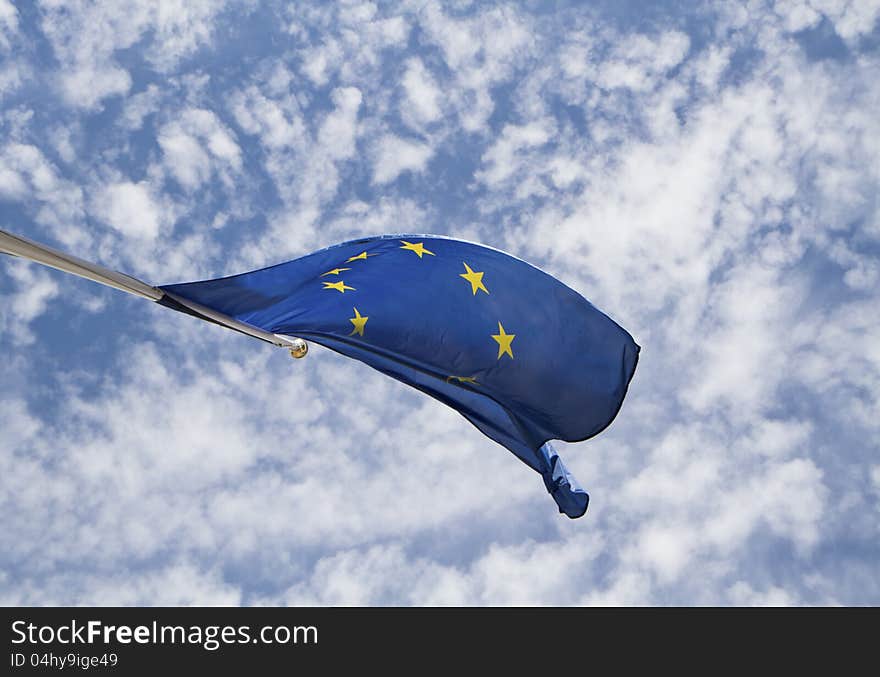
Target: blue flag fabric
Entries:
(522, 356)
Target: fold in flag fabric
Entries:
(522, 356)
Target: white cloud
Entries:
(339, 130)
(179, 584)
(85, 38)
(851, 18)
(351, 41)
(839, 360)
(279, 124)
(514, 139)
(139, 106)
(753, 311)
(638, 62)
(862, 271)
(35, 289)
(422, 102)
(319, 60)
(196, 145)
(180, 28)
(8, 23)
(18, 424)
(359, 219)
(395, 156)
(62, 141)
(27, 176)
(666, 550)
(129, 208)
(743, 594)
(303, 155)
(214, 461)
(89, 73)
(875, 477)
(364, 577)
(477, 58)
(522, 574)
(11, 77)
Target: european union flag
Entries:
(523, 357)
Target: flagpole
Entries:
(16, 245)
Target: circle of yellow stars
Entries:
(472, 277)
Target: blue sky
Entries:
(706, 173)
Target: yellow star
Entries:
(504, 341)
(360, 257)
(358, 321)
(476, 279)
(418, 248)
(463, 379)
(338, 286)
(335, 271)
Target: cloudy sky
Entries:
(706, 173)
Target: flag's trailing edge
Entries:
(522, 356)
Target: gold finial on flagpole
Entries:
(298, 348)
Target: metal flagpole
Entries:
(16, 245)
